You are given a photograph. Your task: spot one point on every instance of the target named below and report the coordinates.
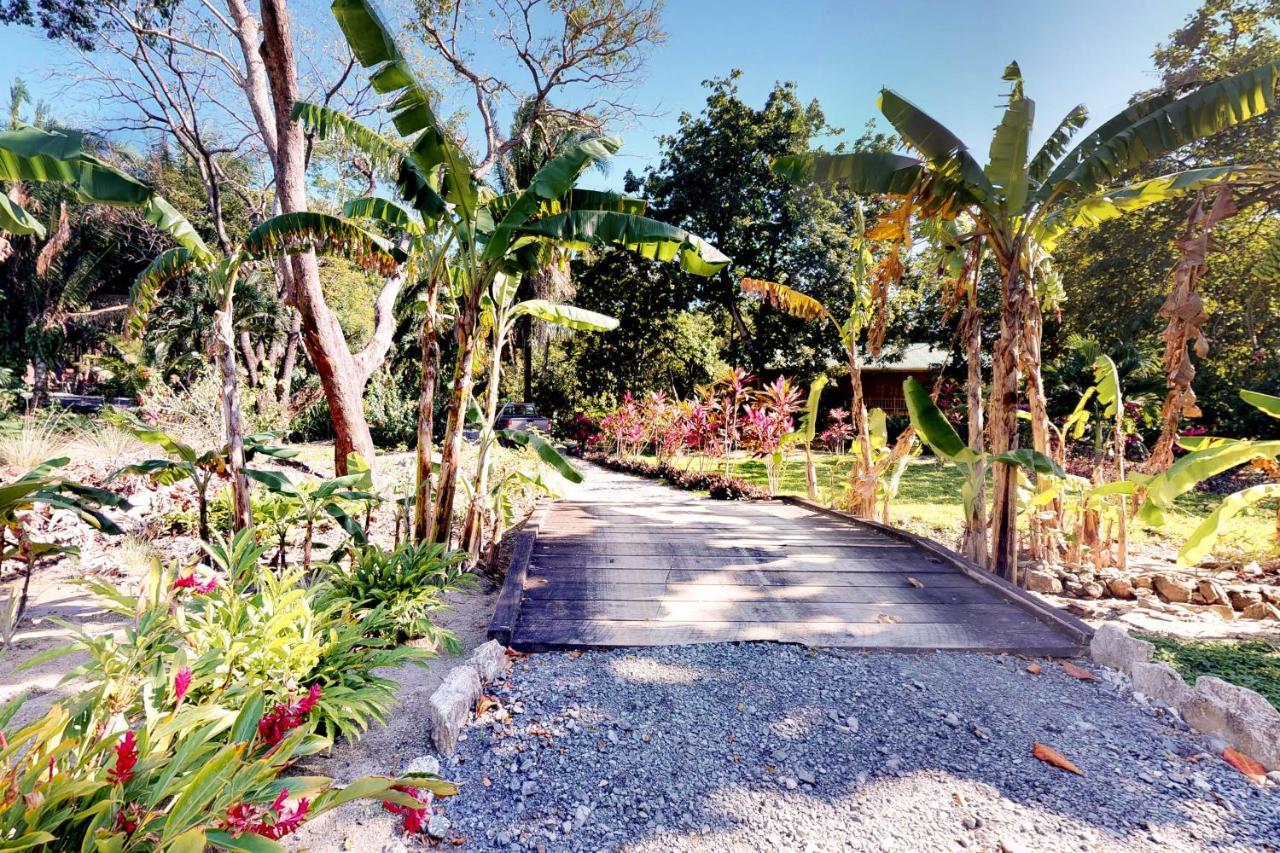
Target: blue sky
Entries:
(946, 57)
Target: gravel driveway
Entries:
(770, 747)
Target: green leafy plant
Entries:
(1209, 457)
(200, 467)
(407, 583)
(325, 498)
(41, 485)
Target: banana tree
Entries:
(1208, 457)
(494, 235)
(1023, 203)
(285, 234)
(865, 312)
(936, 431)
(500, 314)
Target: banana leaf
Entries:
(649, 238)
(545, 451)
(1265, 403)
(1205, 536)
(1195, 467)
(568, 316)
(933, 426)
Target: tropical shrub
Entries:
(406, 583)
(717, 485)
(238, 630)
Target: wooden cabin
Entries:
(882, 377)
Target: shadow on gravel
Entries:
(778, 747)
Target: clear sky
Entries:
(946, 57)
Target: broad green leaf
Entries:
(145, 291)
(1006, 165)
(330, 124)
(649, 238)
(246, 843)
(1265, 403)
(383, 210)
(1196, 467)
(568, 316)
(545, 451)
(246, 724)
(934, 427)
(15, 220)
(1030, 460)
(1053, 148)
(863, 172)
(809, 422)
(1106, 378)
(303, 231)
(1205, 536)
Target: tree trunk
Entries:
(1044, 538)
(341, 376)
(451, 451)
(473, 531)
(1003, 557)
(974, 544)
(426, 413)
(526, 348)
(862, 476)
(242, 513)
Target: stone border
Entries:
(503, 623)
(1214, 707)
(1077, 629)
(453, 702)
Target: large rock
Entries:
(1120, 587)
(1173, 588)
(1261, 610)
(1112, 646)
(1142, 582)
(1241, 598)
(1213, 592)
(1238, 715)
(490, 660)
(1160, 682)
(1043, 582)
(450, 707)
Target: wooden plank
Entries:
(507, 608)
(977, 616)
(755, 538)
(773, 577)
(909, 564)
(538, 589)
(658, 547)
(1031, 639)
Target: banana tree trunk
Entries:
(1003, 408)
(810, 474)
(862, 476)
(473, 529)
(426, 413)
(1122, 523)
(1044, 538)
(242, 513)
(451, 451)
(974, 544)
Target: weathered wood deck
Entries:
(629, 562)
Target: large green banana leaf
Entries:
(330, 124)
(568, 316)
(383, 210)
(1109, 128)
(1265, 403)
(649, 238)
(863, 172)
(1006, 167)
(546, 452)
(1055, 146)
(167, 266)
(934, 427)
(576, 199)
(302, 231)
(1196, 466)
(1206, 111)
(1032, 461)
(1112, 204)
(1205, 536)
(411, 107)
(556, 177)
(15, 220)
(809, 422)
(937, 144)
(1106, 378)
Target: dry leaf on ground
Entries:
(1246, 764)
(485, 703)
(1049, 755)
(575, 654)
(916, 582)
(1078, 671)
(886, 619)
(1033, 668)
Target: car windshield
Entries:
(520, 410)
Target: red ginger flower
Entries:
(287, 716)
(129, 818)
(126, 757)
(181, 684)
(415, 820)
(273, 822)
(189, 581)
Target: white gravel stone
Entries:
(490, 660)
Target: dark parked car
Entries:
(522, 417)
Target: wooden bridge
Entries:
(629, 562)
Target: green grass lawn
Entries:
(1255, 665)
(929, 503)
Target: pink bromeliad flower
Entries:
(126, 758)
(181, 684)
